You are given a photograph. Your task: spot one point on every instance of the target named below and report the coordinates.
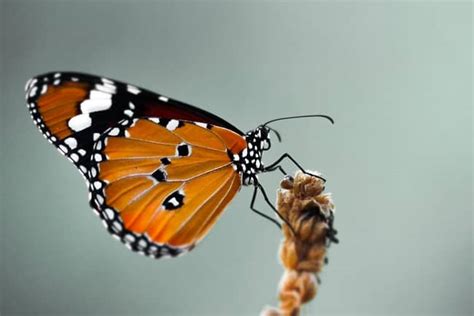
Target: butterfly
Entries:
(160, 172)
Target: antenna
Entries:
(300, 116)
(274, 131)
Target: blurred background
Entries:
(396, 77)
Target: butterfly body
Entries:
(160, 172)
(248, 162)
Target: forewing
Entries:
(72, 110)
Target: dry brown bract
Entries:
(311, 213)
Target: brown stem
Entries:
(310, 212)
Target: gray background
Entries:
(396, 76)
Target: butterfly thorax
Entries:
(248, 162)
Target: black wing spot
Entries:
(183, 150)
(230, 155)
(160, 175)
(165, 161)
(164, 121)
(174, 200)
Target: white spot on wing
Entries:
(154, 120)
(74, 157)
(202, 124)
(99, 199)
(96, 94)
(109, 88)
(172, 125)
(71, 142)
(80, 122)
(117, 226)
(95, 105)
(63, 148)
(174, 202)
(129, 238)
(33, 91)
(109, 213)
(163, 98)
(114, 132)
(27, 85)
(105, 80)
(93, 172)
(133, 89)
(33, 82)
(98, 146)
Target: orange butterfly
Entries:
(160, 172)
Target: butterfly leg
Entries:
(252, 207)
(265, 196)
(282, 171)
(276, 165)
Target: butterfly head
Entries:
(260, 138)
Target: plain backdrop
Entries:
(396, 77)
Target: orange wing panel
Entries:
(112, 170)
(149, 131)
(190, 231)
(121, 147)
(200, 136)
(207, 225)
(59, 104)
(234, 142)
(141, 211)
(120, 193)
(190, 167)
(197, 192)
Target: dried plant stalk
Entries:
(310, 212)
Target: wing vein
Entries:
(162, 143)
(226, 183)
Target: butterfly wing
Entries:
(73, 109)
(160, 185)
